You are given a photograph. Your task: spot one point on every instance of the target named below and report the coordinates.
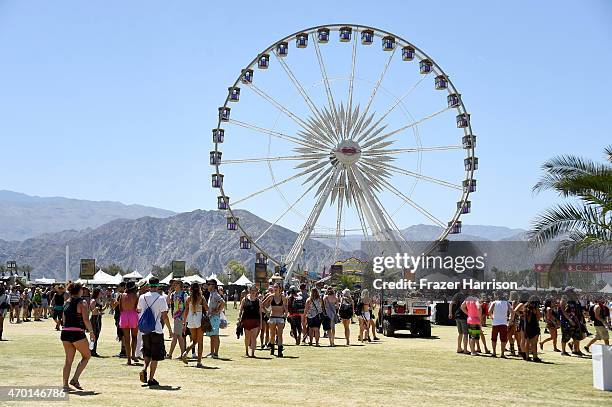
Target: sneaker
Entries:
(152, 383)
(565, 354)
(143, 376)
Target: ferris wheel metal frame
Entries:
(378, 223)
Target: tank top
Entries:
(472, 311)
(250, 309)
(315, 309)
(72, 318)
(59, 299)
(604, 312)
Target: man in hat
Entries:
(215, 306)
(153, 348)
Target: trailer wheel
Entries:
(388, 329)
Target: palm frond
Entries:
(608, 153)
(562, 219)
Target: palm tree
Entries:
(584, 223)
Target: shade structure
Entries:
(134, 275)
(145, 279)
(214, 277)
(196, 278)
(607, 289)
(243, 280)
(167, 279)
(44, 280)
(102, 278)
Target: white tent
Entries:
(44, 280)
(102, 278)
(167, 279)
(214, 277)
(243, 280)
(134, 275)
(607, 289)
(145, 279)
(194, 279)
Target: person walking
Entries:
(296, 305)
(531, 328)
(178, 301)
(5, 305)
(153, 348)
(330, 305)
(15, 298)
(313, 311)
(456, 312)
(346, 312)
(551, 317)
(192, 320)
(215, 306)
(471, 306)
(250, 318)
(117, 315)
(58, 306)
(96, 307)
(500, 312)
(600, 315)
(571, 325)
(278, 304)
(128, 320)
(76, 321)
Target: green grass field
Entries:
(393, 372)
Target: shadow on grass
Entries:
(83, 393)
(224, 359)
(287, 357)
(163, 388)
(207, 367)
(433, 337)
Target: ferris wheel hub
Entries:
(347, 152)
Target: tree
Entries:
(584, 224)
(113, 269)
(192, 271)
(235, 269)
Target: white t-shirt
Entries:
(500, 312)
(157, 304)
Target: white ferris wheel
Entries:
(342, 130)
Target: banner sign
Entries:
(575, 268)
(88, 269)
(178, 269)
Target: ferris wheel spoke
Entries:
(304, 234)
(274, 185)
(300, 89)
(349, 122)
(330, 96)
(377, 85)
(401, 98)
(279, 158)
(274, 133)
(279, 106)
(377, 152)
(417, 122)
(289, 208)
(397, 170)
(410, 202)
(339, 216)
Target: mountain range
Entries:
(199, 237)
(23, 216)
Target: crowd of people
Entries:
(190, 312)
(516, 320)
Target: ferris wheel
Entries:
(342, 130)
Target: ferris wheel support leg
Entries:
(298, 245)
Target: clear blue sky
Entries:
(115, 100)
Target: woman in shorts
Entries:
(313, 310)
(364, 314)
(278, 315)
(128, 321)
(330, 305)
(551, 316)
(346, 311)
(531, 329)
(76, 321)
(195, 306)
(58, 306)
(251, 319)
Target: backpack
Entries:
(297, 305)
(147, 321)
(346, 310)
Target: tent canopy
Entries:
(44, 280)
(607, 289)
(243, 280)
(102, 278)
(134, 275)
(214, 277)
